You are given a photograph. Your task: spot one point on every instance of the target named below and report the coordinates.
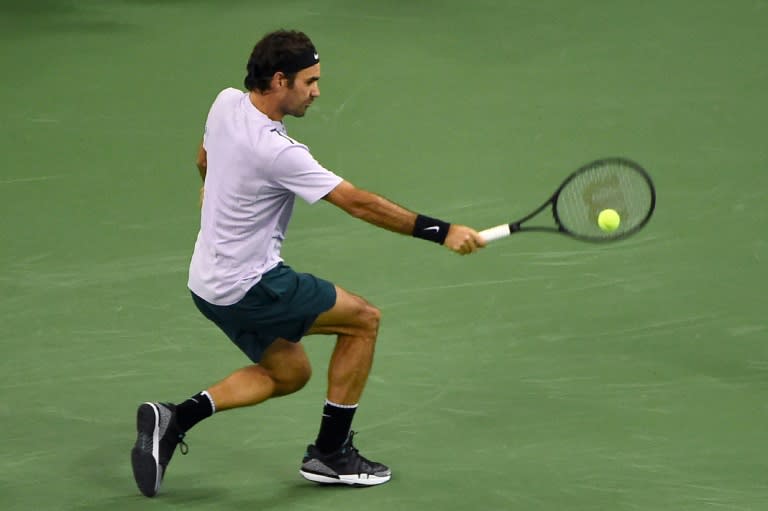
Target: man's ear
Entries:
(279, 80)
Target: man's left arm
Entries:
(202, 167)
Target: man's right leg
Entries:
(333, 459)
(355, 322)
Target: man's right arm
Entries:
(384, 213)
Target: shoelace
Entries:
(183, 447)
(348, 444)
(355, 451)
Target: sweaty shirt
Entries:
(255, 171)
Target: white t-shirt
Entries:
(254, 173)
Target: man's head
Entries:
(285, 64)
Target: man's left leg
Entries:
(283, 369)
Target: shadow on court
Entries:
(103, 480)
(193, 492)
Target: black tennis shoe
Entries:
(157, 438)
(344, 466)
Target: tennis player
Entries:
(252, 172)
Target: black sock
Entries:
(335, 426)
(194, 409)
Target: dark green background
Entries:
(541, 374)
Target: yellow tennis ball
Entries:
(608, 220)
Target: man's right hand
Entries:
(463, 240)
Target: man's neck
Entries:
(266, 105)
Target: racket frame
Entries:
(503, 230)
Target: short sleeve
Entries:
(229, 95)
(295, 169)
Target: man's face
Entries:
(302, 92)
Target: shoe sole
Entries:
(349, 480)
(146, 467)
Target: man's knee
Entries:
(301, 376)
(287, 366)
(370, 318)
(290, 380)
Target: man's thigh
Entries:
(349, 313)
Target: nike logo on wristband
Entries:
(435, 228)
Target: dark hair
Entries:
(277, 51)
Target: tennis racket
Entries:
(609, 183)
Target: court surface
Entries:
(541, 374)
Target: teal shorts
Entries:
(282, 304)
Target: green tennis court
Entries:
(541, 374)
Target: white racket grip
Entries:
(495, 233)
